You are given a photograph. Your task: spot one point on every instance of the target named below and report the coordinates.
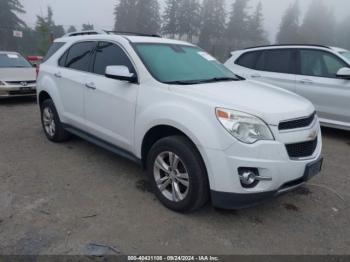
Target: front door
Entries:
(318, 82)
(110, 104)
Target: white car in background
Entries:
(17, 75)
(200, 131)
(318, 73)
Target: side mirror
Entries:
(344, 73)
(120, 73)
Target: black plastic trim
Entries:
(101, 143)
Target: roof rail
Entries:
(288, 45)
(107, 32)
(87, 32)
(130, 33)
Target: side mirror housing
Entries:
(344, 73)
(120, 73)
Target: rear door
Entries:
(71, 77)
(110, 104)
(276, 67)
(317, 81)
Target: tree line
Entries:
(218, 26)
(36, 40)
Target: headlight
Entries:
(244, 127)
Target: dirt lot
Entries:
(65, 198)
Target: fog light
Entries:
(250, 177)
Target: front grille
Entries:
(20, 82)
(297, 123)
(300, 150)
(22, 92)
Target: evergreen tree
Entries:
(87, 27)
(44, 34)
(213, 18)
(71, 29)
(189, 18)
(238, 25)
(9, 21)
(125, 15)
(343, 33)
(47, 31)
(256, 31)
(171, 18)
(289, 28)
(148, 16)
(318, 25)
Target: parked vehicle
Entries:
(35, 60)
(198, 130)
(17, 75)
(318, 73)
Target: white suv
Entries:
(198, 130)
(318, 73)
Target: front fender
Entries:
(197, 122)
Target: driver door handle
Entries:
(255, 75)
(91, 85)
(306, 81)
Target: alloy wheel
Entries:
(171, 176)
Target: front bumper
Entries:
(238, 201)
(17, 90)
(270, 158)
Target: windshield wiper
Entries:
(183, 82)
(201, 81)
(219, 79)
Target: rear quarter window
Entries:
(53, 49)
(248, 59)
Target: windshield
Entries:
(181, 64)
(13, 60)
(346, 54)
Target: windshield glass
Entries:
(181, 64)
(346, 54)
(13, 60)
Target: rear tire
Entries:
(51, 123)
(177, 174)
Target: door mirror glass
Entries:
(120, 73)
(344, 73)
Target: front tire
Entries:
(51, 123)
(178, 175)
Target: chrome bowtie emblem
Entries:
(24, 83)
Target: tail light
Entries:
(37, 70)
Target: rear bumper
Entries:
(227, 200)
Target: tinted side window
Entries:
(110, 54)
(319, 63)
(279, 61)
(53, 49)
(79, 56)
(248, 60)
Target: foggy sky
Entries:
(100, 12)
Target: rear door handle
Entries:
(91, 85)
(58, 75)
(306, 81)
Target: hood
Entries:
(270, 103)
(18, 74)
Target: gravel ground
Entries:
(66, 198)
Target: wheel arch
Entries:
(43, 95)
(158, 132)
